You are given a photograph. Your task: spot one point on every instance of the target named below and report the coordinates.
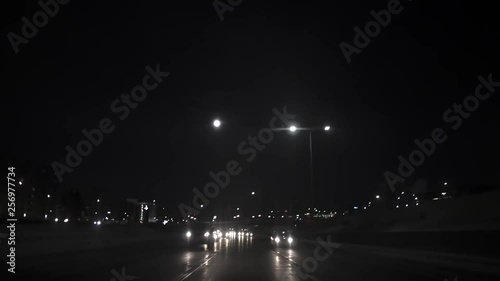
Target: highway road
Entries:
(234, 258)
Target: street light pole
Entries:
(311, 168)
(311, 164)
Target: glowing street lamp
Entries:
(293, 129)
(327, 128)
(216, 123)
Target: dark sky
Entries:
(264, 55)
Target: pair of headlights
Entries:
(277, 240)
(188, 234)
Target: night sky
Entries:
(264, 55)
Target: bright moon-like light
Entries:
(216, 123)
(293, 128)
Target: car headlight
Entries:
(277, 239)
(207, 234)
(290, 240)
(188, 234)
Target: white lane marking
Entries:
(189, 272)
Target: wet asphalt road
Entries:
(238, 258)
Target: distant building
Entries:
(141, 212)
(147, 212)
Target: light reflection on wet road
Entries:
(243, 258)
(234, 258)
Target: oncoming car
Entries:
(198, 234)
(245, 233)
(282, 238)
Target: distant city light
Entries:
(443, 193)
(327, 128)
(56, 219)
(66, 220)
(293, 129)
(20, 183)
(253, 192)
(98, 200)
(109, 212)
(24, 215)
(355, 208)
(446, 183)
(48, 195)
(377, 196)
